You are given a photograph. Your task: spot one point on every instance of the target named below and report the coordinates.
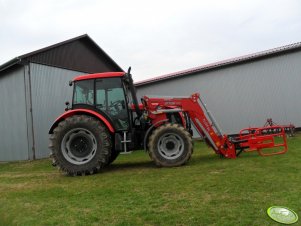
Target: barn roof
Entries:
(79, 54)
(229, 62)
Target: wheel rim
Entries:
(170, 146)
(79, 146)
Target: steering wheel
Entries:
(116, 107)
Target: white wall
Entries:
(243, 95)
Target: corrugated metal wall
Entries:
(13, 119)
(78, 55)
(50, 90)
(244, 95)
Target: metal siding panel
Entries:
(29, 117)
(228, 62)
(77, 55)
(50, 90)
(244, 95)
(13, 126)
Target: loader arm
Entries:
(208, 128)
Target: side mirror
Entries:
(70, 83)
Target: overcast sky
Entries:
(154, 37)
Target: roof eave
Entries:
(52, 46)
(116, 65)
(225, 63)
(10, 63)
(24, 56)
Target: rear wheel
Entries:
(170, 145)
(80, 145)
(113, 156)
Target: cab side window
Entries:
(84, 92)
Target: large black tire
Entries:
(80, 145)
(170, 145)
(113, 156)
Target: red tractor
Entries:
(105, 119)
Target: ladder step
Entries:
(124, 142)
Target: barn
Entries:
(33, 91)
(243, 91)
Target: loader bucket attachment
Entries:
(266, 141)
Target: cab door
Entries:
(110, 98)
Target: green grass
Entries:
(207, 191)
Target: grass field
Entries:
(207, 191)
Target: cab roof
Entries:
(99, 75)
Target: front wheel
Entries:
(80, 145)
(170, 145)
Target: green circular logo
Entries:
(282, 214)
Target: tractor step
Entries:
(124, 141)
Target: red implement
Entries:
(256, 139)
(250, 139)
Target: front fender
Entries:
(81, 111)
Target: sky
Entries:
(153, 37)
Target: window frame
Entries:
(126, 99)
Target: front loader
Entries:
(106, 119)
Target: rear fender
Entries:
(82, 111)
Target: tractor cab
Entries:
(106, 94)
(105, 120)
